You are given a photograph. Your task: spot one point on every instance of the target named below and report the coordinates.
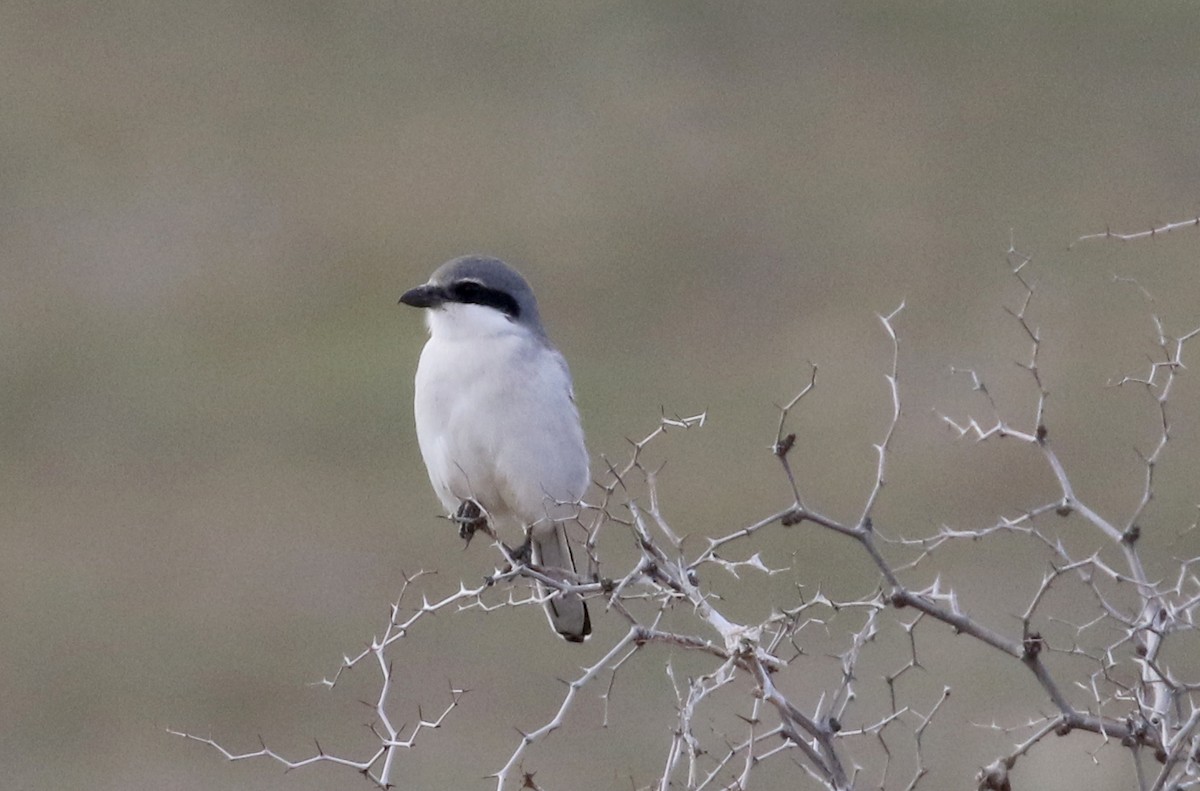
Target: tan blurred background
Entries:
(208, 473)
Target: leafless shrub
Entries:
(1117, 686)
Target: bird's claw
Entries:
(522, 555)
(470, 520)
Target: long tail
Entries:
(567, 612)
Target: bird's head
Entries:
(476, 295)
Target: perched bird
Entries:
(496, 418)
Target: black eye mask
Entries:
(471, 293)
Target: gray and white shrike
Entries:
(496, 417)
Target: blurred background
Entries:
(209, 478)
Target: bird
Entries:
(497, 422)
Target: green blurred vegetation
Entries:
(209, 474)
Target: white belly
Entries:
(496, 423)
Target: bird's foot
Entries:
(470, 519)
(522, 555)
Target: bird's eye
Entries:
(468, 291)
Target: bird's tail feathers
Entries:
(567, 612)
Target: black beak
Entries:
(426, 296)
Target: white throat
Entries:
(456, 321)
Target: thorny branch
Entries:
(1156, 230)
(1130, 693)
